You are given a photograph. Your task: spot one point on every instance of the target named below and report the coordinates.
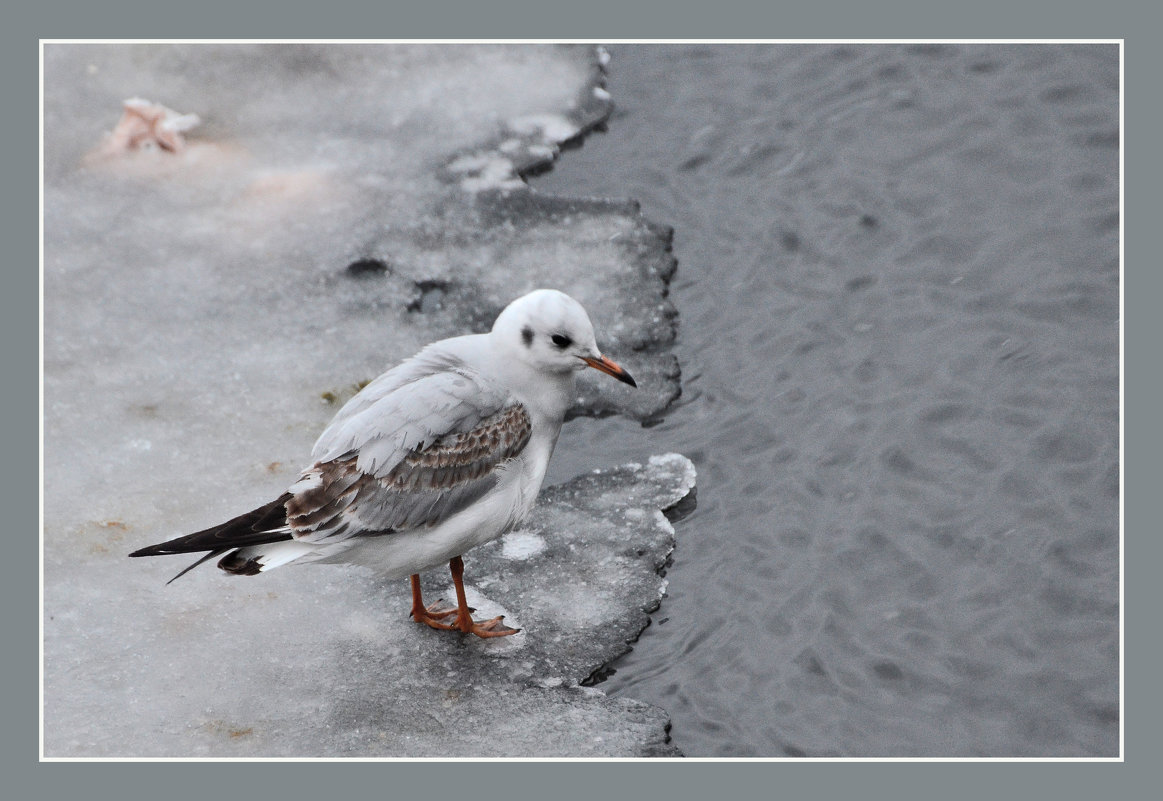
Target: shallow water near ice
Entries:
(899, 294)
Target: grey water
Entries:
(899, 287)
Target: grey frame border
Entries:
(598, 20)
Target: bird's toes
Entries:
(493, 628)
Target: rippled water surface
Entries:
(899, 288)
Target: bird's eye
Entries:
(561, 341)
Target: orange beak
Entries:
(610, 368)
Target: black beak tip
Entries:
(604, 365)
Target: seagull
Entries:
(443, 452)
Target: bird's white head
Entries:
(551, 332)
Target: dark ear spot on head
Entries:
(527, 336)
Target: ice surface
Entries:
(322, 660)
(208, 309)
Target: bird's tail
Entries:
(260, 526)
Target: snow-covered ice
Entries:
(323, 661)
(206, 311)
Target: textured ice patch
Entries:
(521, 545)
(549, 127)
(666, 467)
(480, 172)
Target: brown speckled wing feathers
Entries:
(336, 500)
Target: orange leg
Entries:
(431, 615)
(464, 621)
(434, 615)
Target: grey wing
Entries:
(428, 362)
(411, 458)
(408, 408)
